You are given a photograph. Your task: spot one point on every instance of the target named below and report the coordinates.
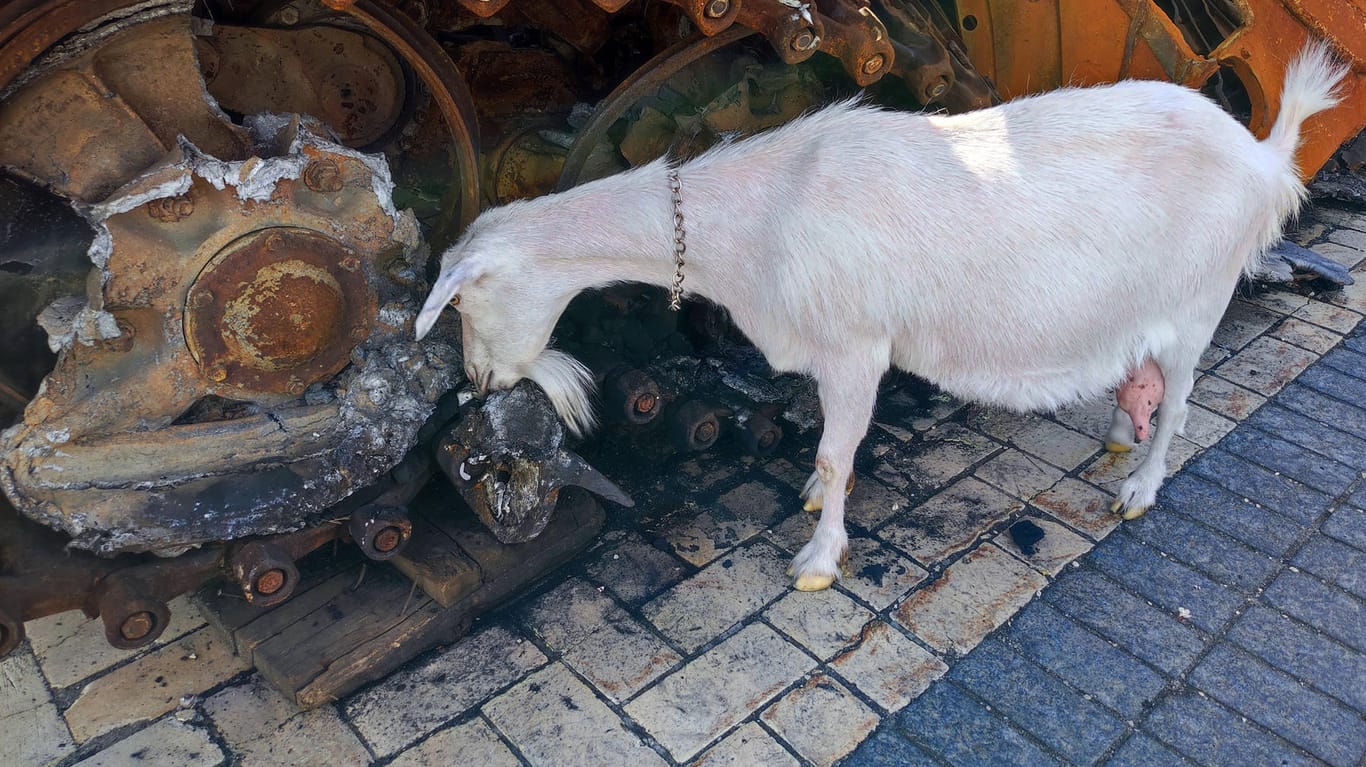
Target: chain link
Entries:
(680, 246)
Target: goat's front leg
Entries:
(847, 393)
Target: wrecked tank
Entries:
(220, 220)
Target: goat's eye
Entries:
(455, 300)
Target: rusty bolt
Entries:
(805, 41)
(137, 625)
(296, 387)
(706, 432)
(323, 176)
(646, 402)
(350, 263)
(169, 210)
(270, 581)
(218, 373)
(122, 342)
(873, 64)
(717, 8)
(289, 16)
(201, 298)
(388, 539)
(937, 90)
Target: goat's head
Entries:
(508, 307)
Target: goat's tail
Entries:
(1311, 86)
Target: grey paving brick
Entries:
(1205, 427)
(693, 612)
(1019, 474)
(1328, 315)
(947, 451)
(1211, 734)
(692, 706)
(1313, 469)
(888, 748)
(1347, 524)
(879, 575)
(1051, 554)
(873, 503)
(1303, 653)
(1319, 406)
(887, 667)
(1224, 397)
(949, 521)
(634, 570)
(263, 727)
(1222, 558)
(1280, 493)
(538, 713)
(1332, 382)
(1334, 612)
(821, 719)
(1308, 433)
(1140, 750)
(167, 743)
(823, 622)
(1334, 562)
(1348, 361)
(1281, 704)
(1242, 322)
(1306, 335)
(1266, 365)
(1200, 500)
(750, 745)
(599, 639)
(1078, 729)
(1083, 506)
(1093, 599)
(1165, 582)
(34, 732)
(1056, 444)
(960, 729)
(1082, 659)
(468, 743)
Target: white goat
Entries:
(1025, 256)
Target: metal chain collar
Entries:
(680, 246)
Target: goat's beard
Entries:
(569, 385)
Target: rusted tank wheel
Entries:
(132, 616)
(760, 435)
(695, 426)
(381, 532)
(11, 630)
(265, 572)
(632, 397)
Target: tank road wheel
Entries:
(240, 356)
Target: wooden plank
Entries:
(437, 564)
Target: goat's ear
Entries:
(448, 285)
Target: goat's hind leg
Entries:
(1139, 491)
(847, 393)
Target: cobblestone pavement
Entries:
(1225, 627)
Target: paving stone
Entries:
(873, 503)
(263, 727)
(1110, 470)
(1291, 460)
(1308, 433)
(703, 537)
(824, 622)
(1211, 734)
(1327, 609)
(1325, 212)
(1346, 361)
(1279, 301)
(1211, 358)
(422, 697)
(1321, 407)
(168, 743)
(887, 748)
(1018, 474)
(972, 597)
(470, 743)
(634, 570)
(783, 470)
(692, 706)
(705, 472)
(1166, 582)
(1223, 559)
(878, 574)
(599, 639)
(1351, 296)
(1306, 335)
(1036, 702)
(1332, 382)
(945, 452)
(538, 713)
(1303, 653)
(1092, 599)
(71, 647)
(1051, 554)
(1090, 664)
(1058, 445)
(153, 684)
(722, 594)
(1084, 507)
(1243, 322)
(1347, 524)
(792, 533)
(1141, 750)
(1350, 237)
(1090, 418)
(34, 731)
(1334, 562)
(1205, 427)
(1202, 501)
(821, 720)
(887, 667)
(1278, 702)
(959, 729)
(1341, 254)
(950, 521)
(1330, 316)
(1277, 492)
(1266, 365)
(749, 746)
(1225, 398)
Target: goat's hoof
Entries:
(1117, 447)
(813, 582)
(812, 504)
(1128, 512)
